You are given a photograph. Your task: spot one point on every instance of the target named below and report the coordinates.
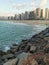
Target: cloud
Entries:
(19, 5)
(23, 5)
(43, 3)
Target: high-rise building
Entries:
(15, 17)
(19, 16)
(31, 15)
(35, 14)
(42, 14)
(12, 18)
(26, 15)
(22, 16)
(46, 13)
(38, 13)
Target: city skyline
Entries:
(11, 7)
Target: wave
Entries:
(15, 23)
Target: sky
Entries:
(11, 7)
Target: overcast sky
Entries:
(11, 7)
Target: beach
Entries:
(31, 22)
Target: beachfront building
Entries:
(42, 14)
(46, 13)
(31, 15)
(22, 16)
(12, 18)
(38, 13)
(26, 15)
(15, 17)
(35, 14)
(19, 16)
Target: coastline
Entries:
(30, 22)
(34, 50)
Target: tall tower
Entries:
(35, 14)
(26, 15)
(31, 15)
(42, 14)
(38, 13)
(46, 13)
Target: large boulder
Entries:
(46, 59)
(2, 53)
(12, 62)
(7, 57)
(27, 48)
(34, 62)
(27, 59)
(22, 56)
(14, 47)
(46, 48)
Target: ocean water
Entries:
(11, 33)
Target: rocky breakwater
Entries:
(33, 51)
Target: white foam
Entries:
(6, 48)
(16, 23)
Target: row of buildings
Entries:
(32, 15)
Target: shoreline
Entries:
(30, 22)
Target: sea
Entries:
(14, 33)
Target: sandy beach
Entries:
(30, 22)
(33, 22)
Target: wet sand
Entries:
(30, 22)
(33, 22)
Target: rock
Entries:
(27, 60)
(11, 51)
(24, 41)
(12, 62)
(32, 49)
(2, 53)
(46, 59)
(15, 44)
(34, 62)
(1, 62)
(46, 48)
(22, 56)
(29, 44)
(27, 48)
(46, 38)
(41, 62)
(22, 47)
(14, 47)
(8, 56)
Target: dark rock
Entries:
(46, 59)
(41, 62)
(2, 53)
(27, 48)
(12, 62)
(7, 57)
(14, 47)
(12, 51)
(22, 47)
(15, 44)
(24, 41)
